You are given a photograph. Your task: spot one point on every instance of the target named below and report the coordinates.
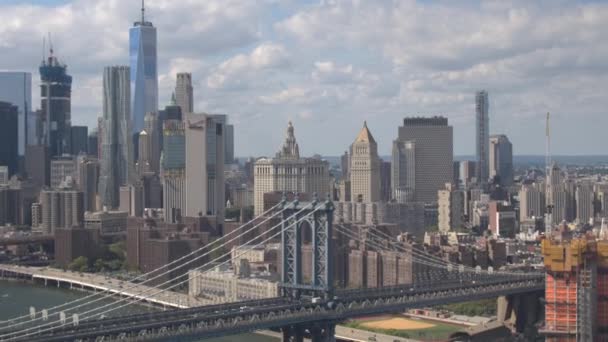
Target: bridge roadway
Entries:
(96, 282)
(25, 240)
(229, 319)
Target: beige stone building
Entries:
(288, 172)
(450, 208)
(223, 286)
(365, 168)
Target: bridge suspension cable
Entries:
(140, 297)
(107, 293)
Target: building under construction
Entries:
(576, 289)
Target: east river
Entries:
(17, 297)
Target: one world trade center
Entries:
(144, 75)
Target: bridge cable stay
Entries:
(425, 258)
(108, 292)
(466, 268)
(142, 276)
(140, 298)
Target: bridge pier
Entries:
(521, 311)
(293, 333)
(318, 332)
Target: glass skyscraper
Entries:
(482, 136)
(16, 89)
(55, 98)
(144, 75)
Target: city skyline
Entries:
(260, 63)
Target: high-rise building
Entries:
(16, 88)
(93, 144)
(482, 131)
(183, 92)
(152, 129)
(61, 208)
(450, 208)
(88, 176)
(585, 198)
(345, 165)
(4, 175)
(9, 129)
(467, 172)
(144, 74)
(287, 172)
(132, 199)
(62, 167)
(37, 165)
(79, 136)
(55, 95)
(365, 168)
(531, 201)
(143, 155)
(228, 137)
(174, 170)
(385, 181)
(117, 147)
(205, 189)
(422, 158)
(501, 159)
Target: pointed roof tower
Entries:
(365, 135)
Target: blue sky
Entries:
(328, 65)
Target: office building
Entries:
(79, 139)
(450, 208)
(9, 129)
(467, 172)
(107, 223)
(93, 144)
(205, 189)
(153, 130)
(224, 286)
(174, 170)
(228, 133)
(482, 135)
(117, 147)
(422, 158)
(502, 219)
(4, 175)
(132, 199)
(87, 178)
(183, 92)
(144, 74)
(152, 188)
(16, 89)
(501, 160)
(74, 242)
(37, 165)
(585, 198)
(62, 167)
(61, 208)
(531, 201)
(365, 168)
(385, 181)
(56, 93)
(287, 172)
(143, 155)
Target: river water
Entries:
(17, 297)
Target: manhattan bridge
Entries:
(304, 309)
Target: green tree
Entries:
(80, 264)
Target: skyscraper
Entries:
(9, 125)
(16, 88)
(55, 95)
(482, 135)
(501, 159)
(79, 139)
(152, 128)
(205, 189)
(183, 92)
(144, 74)
(117, 148)
(365, 168)
(422, 158)
(174, 170)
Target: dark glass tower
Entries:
(55, 95)
(9, 124)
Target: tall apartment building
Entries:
(184, 92)
(205, 189)
(365, 168)
(422, 158)
(531, 201)
(482, 135)
(450, 208)
(61, 208)
(501, 159)
(117, 155)
(288, 172)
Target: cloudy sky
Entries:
(328, 65)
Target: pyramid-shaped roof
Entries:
(365, 135)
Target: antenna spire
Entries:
(143, 11)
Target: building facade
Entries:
(16, 89)
(450, 208)
(422, 158)
(61, 208)
(9, 129)
(184, 92)
(287, 172)
(501, 159)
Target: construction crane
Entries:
(548, 192)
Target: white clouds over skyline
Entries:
(330, 64)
